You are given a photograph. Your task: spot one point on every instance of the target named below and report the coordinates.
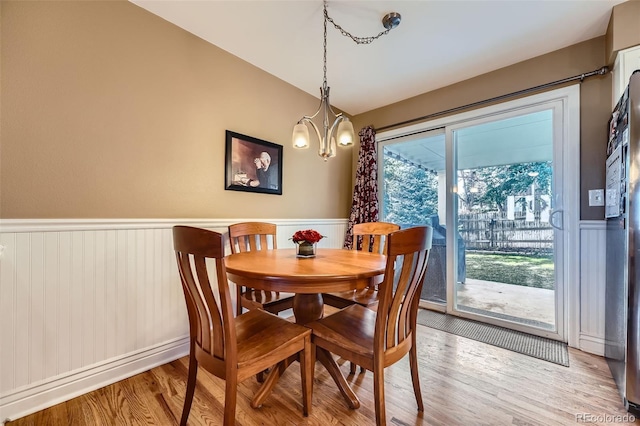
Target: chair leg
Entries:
(230, 396)
(191, 387)
(238, 299)
(415, 378)
(313, 365)
(306, 373)
(378, 393)
(352, 368)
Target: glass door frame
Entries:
(381, 144)
(557, 187)
(566, 100)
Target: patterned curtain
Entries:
(364, 207)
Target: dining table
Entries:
(331, 270)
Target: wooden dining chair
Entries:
(378, 340)
(230, 348)
(371, 237)
(248, 236)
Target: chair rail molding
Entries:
(88, 302)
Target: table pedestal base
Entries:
(308, 308)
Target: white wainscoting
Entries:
(85, 303)
(592, 285)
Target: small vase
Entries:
(305, 249)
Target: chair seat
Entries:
(349, 329)
(254, 325)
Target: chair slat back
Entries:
(407, 256)
(211, 323)
(372, 236)
(250, 236)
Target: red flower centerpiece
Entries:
(306, 242)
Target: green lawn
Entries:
(529, 271)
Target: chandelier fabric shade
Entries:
(336, 129)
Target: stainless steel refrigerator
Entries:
(622, 212)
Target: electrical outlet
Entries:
(596, 197)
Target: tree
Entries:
(410, 193)
(492, 185)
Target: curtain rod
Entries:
(581, 77)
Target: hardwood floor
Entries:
(463, 382)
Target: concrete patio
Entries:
(528, 303)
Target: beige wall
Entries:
(595, 96)
(624, 28)
(111, 112)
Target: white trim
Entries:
(21, 402)
(571, 197)
(593, 345)
(593, 224)
(45, 225)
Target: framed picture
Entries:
(252, 165)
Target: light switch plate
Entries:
(596, 197)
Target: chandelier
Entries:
(340, 131)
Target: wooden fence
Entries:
(493, 231)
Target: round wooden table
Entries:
(332, 270)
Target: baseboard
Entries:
(592, 344)
(36, 397)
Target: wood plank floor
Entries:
(464, 382)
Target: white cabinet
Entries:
(627, 61)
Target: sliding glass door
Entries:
(491, 183)
(507, 184)
(413, 188)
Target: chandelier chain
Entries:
(324, 68)
(336, 128)
(358, 40)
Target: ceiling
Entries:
(438, 43)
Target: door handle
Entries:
(552, 216)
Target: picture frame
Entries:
(252, 164)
